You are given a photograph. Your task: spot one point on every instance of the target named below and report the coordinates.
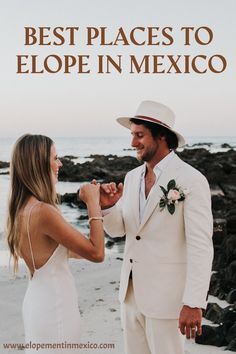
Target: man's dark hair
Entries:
(158, 131)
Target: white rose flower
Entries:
(173, 195)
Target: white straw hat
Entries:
(156, 113)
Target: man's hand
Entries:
(190, 321)
(110, 193)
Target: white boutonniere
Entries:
(172, 196)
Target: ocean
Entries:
(82, 148)
(85, 146)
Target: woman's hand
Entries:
(90, 193)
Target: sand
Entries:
(97, 286)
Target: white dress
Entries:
(50, 310)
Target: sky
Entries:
(88, 104)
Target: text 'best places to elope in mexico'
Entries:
(101, 39)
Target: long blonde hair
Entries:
(31, 175)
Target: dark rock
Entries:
(230, 249)
(228, 314)
(215, 285)
(110, 244)
(222, 295)
(219, 261)
(97, 156)
(69, 157)
(202, 144)
(218, 203)
(231, 297)
(213, 312)
(116, 239)
(72, 199)
(230, 273)
(231, 334)
(231, 224)
(69, 198)
(225, 145)
(102, 168)
(4, 164)
(219, 285)
(232, 345)
(227, 167)
(83, 217)
(212, 336)
(229, 187)
(220, 231)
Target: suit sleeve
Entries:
(198, 230)
(113, 221)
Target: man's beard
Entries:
(147, 156)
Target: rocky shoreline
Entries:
(220, 170)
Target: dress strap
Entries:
(28, 233)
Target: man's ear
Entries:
(161, 137)
(162, 141)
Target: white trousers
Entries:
(145, 335)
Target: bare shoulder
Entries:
(47, 212)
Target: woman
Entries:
(38, 233)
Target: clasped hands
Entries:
(110, 193)
(107, 194)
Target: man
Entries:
(165, 212)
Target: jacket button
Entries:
(131, 261)
(138, 238)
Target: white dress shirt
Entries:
(160, 166)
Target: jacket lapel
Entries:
(167, 174)
(134, 196)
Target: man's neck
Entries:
(151, 164)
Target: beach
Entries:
(97, 285)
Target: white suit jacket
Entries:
(172, 257)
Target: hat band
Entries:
(154, 120)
